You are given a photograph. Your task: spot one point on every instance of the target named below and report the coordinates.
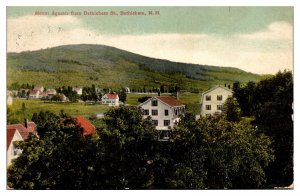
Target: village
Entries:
(165, 110)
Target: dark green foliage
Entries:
(223, 154)
(90, 94)
(143, 99)
(232, 110)
(207, 153)
(122, 95)
(270, 102)
(46, 122)
(68, 92)
(57, 97)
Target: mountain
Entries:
(109, 67)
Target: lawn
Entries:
(32, 106)
(17, 114)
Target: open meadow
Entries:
(24, 108)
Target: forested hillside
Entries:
(111, 67)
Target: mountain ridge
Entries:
(99, 63)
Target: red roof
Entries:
(51, 91)
(33, 92)
(112, 96)
(170, 101)
(24, 132)
(10, 136)
(88, 128)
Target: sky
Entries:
(254, 39)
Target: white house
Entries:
(34, 94)
(12, 150)
(78, 90)
(39, 88)
(212, 101)
(164, 112)
(18, 132)
(111, 99)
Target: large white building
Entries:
(212, 101)
(164, 112)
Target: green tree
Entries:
(62, 159)
(273, 116)
(23, 109)
(122, 95)
(57, 97)
(222, 154)
(130, 145)
(232, 110)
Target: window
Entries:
(208, 107)
(154, 112)
(17, 150)
(166, 122)
(166, 112)
(154, 103)
(219, 107)
(146, 112)
(155, 122)
(208, 97)
(219, 97)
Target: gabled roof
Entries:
(10, 136)
(43, 94)
(171, 101)
(51, 91)
(112, 96)
(24, 132)
(33, 92)
(209, 90)
(31, 127)
(88, 128)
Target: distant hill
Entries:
(109, 67)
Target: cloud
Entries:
(275, 31)
(260, 52)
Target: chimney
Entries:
(26, 123)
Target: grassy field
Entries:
(192, 101)
(32, 106)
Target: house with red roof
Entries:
(111, 99)
(18, 132)
(164, 112)
(25, 129)
(34, 94)
(48, 94)
(12, 151)
(87, 127)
